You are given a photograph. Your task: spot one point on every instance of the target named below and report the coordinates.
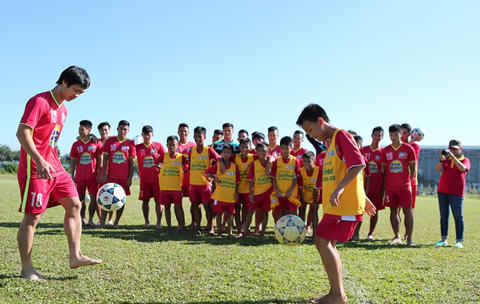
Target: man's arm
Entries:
(294, 184)
(131, 165)
(73, 167)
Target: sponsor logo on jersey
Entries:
(230, 173)
(118, 158)
(85, 159)
(92, 148)
(148, 162)
(53, 114)
(377, 157)
(389, 155)
(175, 163)
(373, 167)
(54, 136)
(331, 153)
(403, 155)
(125, 148)
(396, 166)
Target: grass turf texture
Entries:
(147, 266)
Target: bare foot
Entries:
(169, 230)
(354, 239)
(110, 223)
(239, 235)
(100, 226)
(219, 236)
(198, 233)
(309, 230)
(83, 261)
(230, 236)
(115, 226)
(370, 238)
(91, 224)
(331, 299)
(159, 227)
(245, 235)
(84, 222)
(395, 241)
(256, 231)
(32, 275)
(146, 225)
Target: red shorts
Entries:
(40, 194)
(220, 207)
(170, 196)
(284, 203)
(398, 198)
(414, 195)
(261, 201)
(243, 199)
(121, 182)
(90, 184)
(376, 200)
(200, 193)
(337, 227)
(149, 190)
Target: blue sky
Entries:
(252, 63)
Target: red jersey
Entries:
(183, 148)
(146, 158)
(319, 160)
(119, 153)
(46, 118)
(397, 163)
(299, 154)
(452, 180)
(276, 152)
(373, 158)
(416, 148)
(86, 154)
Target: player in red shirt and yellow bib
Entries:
(243, 161)
(309, 186)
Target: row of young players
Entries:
(372, 153)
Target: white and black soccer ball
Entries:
(290, 230)
(418, 134)
(87, 198)
(111, 197)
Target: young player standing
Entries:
(148, 153)
(217, 135)
(118, 155)
(104, 131)
(406, 132)
(343, 196)
(298, 151)
(183, 146)
(273, 149)
(42, 179)
(398, 161)
(373, 154)
(309, 185)
(227, 139)
(243, 161)
(85, 168)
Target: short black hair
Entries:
(272, 128)
(227, 125)
(395, 128)
(352, 132)
(200, 129)
(377, 129)
(298, 132)
(243, 131)
(147, 129)
(86, 123)
(258, 135)
(287, 141)
(227, 147)
(261, 144)
(357, 138)
(218, 132)
(309, 155)
(311, 113)
(123, 122)
(74, 75)
(102, 124)
(183, 125)
(171, 138)
(245, 141)
(407, 126)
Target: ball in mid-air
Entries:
(111, 197)
(418, 134)
(290, 230)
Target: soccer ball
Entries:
(290, 230)
(418, 134)
(87, 198)
(111, 197)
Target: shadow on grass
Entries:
(39, 226)
(236, 302)
(379, 244)
(17, 276)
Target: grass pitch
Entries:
(147, 266)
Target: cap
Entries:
(455, 143)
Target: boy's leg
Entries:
(238, 222)
(25, 236)
(197, 215)
(248, 221)
(333, 267)
(395, 226)
(73, 230)
(118, 217)
(229, 217)
(110, 218)
(159, 212)
(93, 208)
(84, 207)
(302, 211)
(180, 218)
(356, 233)
(219, 224)
(314, 213)
(210, 218)
(264, 224)
(168, 217)
(408, 212)
(258, 220)
(373, 224)
(146, 211)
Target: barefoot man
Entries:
(42, 179)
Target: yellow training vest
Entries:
(286, 175)
(171, 173)
(199, 163)
(262, 182)
(225, 191)
(309, 183)
(352, 200)
(243, 168)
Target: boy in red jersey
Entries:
(243, 161)
(309, 184)
(285, 171)
(373, 154)
(260, 185)
(173, 166)
(42, 179)
(343, 196)
(398, 161)
(256, 138)
(148, 153)
(104, 131)
(85, 165)
(298, 151)
(406, 132)
(225, 194)
(273, 149)
(183, 146)
(118, 155)
(200, 158)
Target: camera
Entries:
(444, 152)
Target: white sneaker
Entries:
(459, 245)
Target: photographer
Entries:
(451, 189)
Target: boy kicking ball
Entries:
(42, 179)
(344, 200)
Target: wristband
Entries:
(440, 160)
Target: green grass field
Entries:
(146, 266)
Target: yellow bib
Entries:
(286, 175)
(225, 190)
(171, 173)
(199, 163)
(309, 183)
(352, 200)
(243, 168)
(262, 181)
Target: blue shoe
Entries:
(442, 243)
(459, 245)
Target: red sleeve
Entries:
(298, 165)
(255, 157)
(319, 180)
(347, 150)
(105, 147)
(160, 159)
(99, 148)
(73, 151)
(237, 174)
(273, 170)
(185, 163)
(416, 148)
(383, 157)
(367, 169)
(300, 181)
(133, 152)
(212, 170)
(35, 109)
(161, 149)
(213, 155)
(251, 172)
(411, 155)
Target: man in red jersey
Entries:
(148, 153)
(273, 149)
(118, 155)
(406, 132)
(42, 179)
(398, 162)
(85, 165)
(183, 146)
(104, 131)
(298, 150)
(373, 154)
